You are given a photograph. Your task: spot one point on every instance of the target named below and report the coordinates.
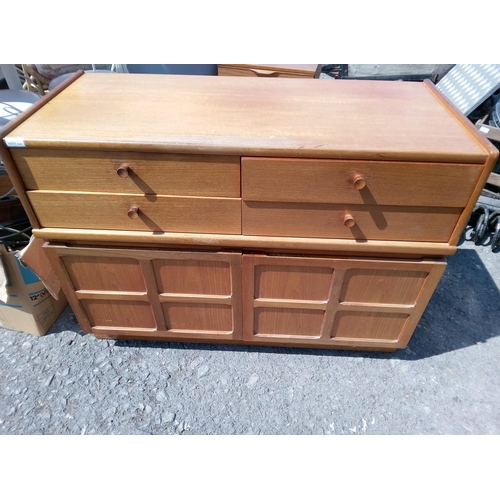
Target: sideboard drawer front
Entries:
(332, 181)
(144, 173)
(385, 223)
(155, 213)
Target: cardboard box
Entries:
(25, 303)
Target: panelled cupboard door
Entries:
(129, 293)
(332, 302)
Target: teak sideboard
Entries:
(292, 212)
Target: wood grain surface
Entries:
(378, 301)
(17, 182)
(194, 276)
(332, 181)
(119, 313)
(156, 213)
(291, 117)
(163, 174)
(270, 70)
(104, 273)
(317, 220)
(368, 325)
(141, 240)
(382, 286)
(152, 291)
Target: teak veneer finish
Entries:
(161, 174)
(165, 201)
(156, 213)
(330, 301)
(289, 117)
(164, 293)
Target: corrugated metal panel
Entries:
(469, 85)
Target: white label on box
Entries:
(14, 142)
(484, 130)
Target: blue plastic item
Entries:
(173, 69)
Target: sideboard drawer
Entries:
(154, 213)
(318, 220)
(138, 173)
(368, 183)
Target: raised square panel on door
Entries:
(285, 298)
(140, 293)
(110, 288)
(335, 301)
(200, 294)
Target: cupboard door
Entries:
(335, 301)
(164, 295)
(200, 293)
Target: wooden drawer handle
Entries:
(349, 220)
(133, 212)
(123, 171)
(359, 181)
(263, 72)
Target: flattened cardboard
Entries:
(29, 307)
(33, 256)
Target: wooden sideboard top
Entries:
(301, 118)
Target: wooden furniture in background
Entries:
(267, 212)
(271, 70)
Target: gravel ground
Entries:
(446, 381)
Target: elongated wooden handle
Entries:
(359, 181)
(349, 220)
(263, 72)
(133, 212)
(123, 171)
